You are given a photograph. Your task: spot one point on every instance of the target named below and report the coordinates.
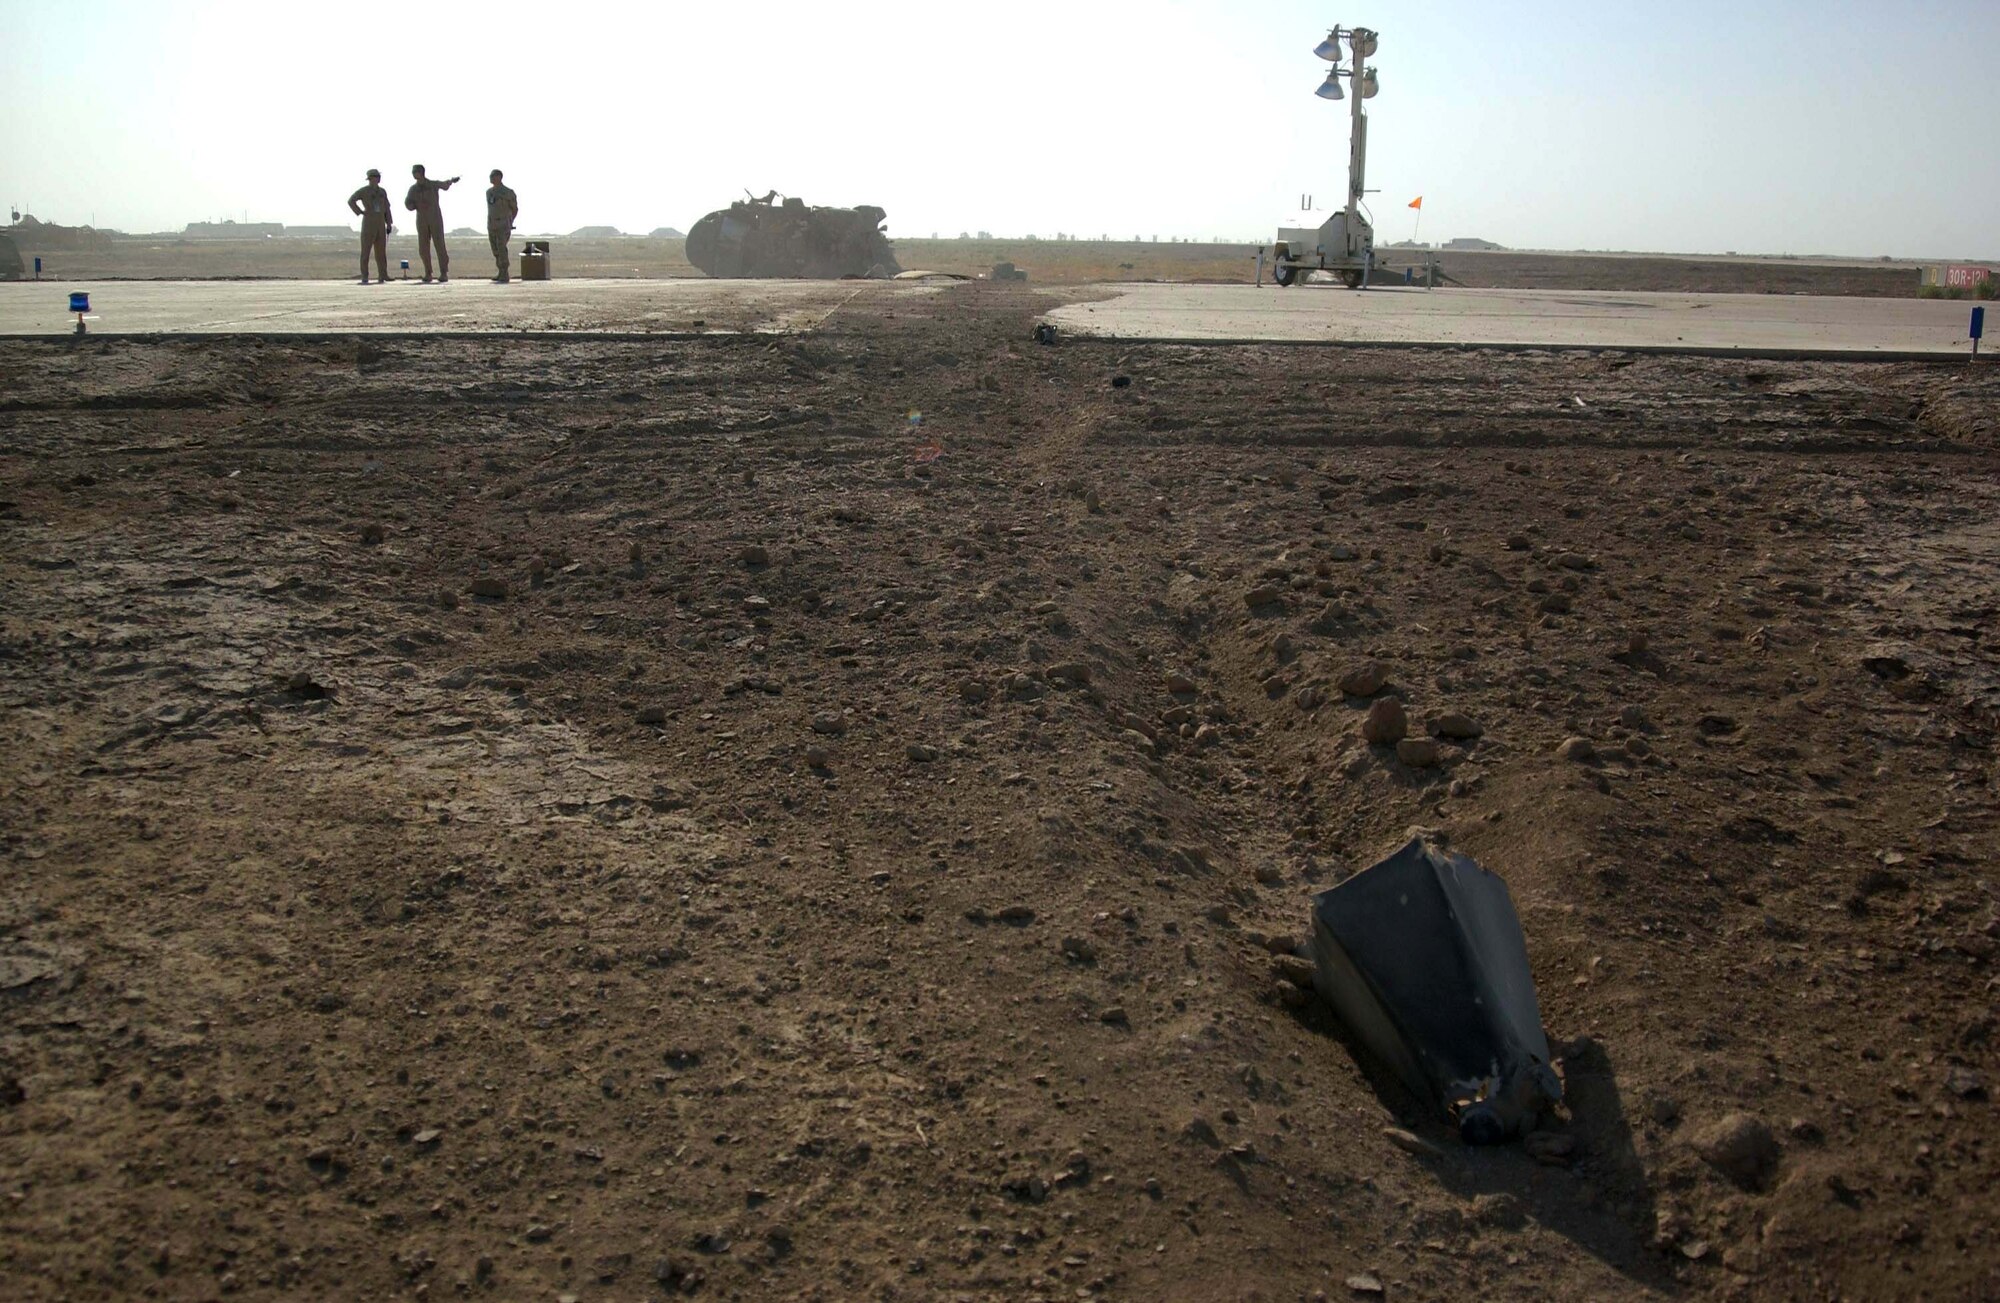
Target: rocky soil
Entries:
(814, 818)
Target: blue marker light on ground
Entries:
(79, 303)
(1978, 322)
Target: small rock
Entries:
(1741, 1147)
(1518, 543)
(303, 685)
(1501, 1211)
(974, 690)
(1263, 595)
(1637, 747)
(493, 590)
(1550, 1148)
(830, 723)
(1417, 752)
(1291, 996)
(818, 757)
(1114, 1016)
(654, 715)
(1016, 915)
(1199, 1130)
(1556, 604)
(1456, 726)
(1181, 685)
(1636, 644)
(1633, 716)
(372, 535)
(1362, 1282)
(1075, 673)
(1576, 561)
(428, 1136)
(1091, 502)
(1365, 679)
(1386, 722)
(921, 752)
(1665, 1111)
(1080, 949)
(678, 1275)
(1578, 749)
(1294, 969)
(1965, 1083)
(1270, 875)
(1028, 1187)
(1411, 1143)
(754, 555)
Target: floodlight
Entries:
(1330, 88)
(1369, 86)
(1329, 49)
(1363, 41)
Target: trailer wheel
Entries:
(1283, 273)
(1351, 279)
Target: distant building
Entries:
(227, 230)
(667, 233)
(594, 232)
(1466, 242)
(318, 232)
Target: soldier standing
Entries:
(501, 210)
(371, 204)
(423, 201)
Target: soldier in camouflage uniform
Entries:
(501, 210)
(423, 201)
(371, 204)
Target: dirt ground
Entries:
(617, 821)
(1047, 262)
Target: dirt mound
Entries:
(34, 236)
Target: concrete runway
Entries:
(1777, 325)
(471, 305)
(1757, 323)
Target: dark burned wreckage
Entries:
(784, 237)
(1422, 956)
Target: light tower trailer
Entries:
(1345, 243)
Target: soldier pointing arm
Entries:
(423, 201)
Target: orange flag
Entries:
(1417, 203)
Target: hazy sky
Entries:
(1828, 126)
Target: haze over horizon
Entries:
(1772, 127)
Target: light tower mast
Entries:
(1345, 243)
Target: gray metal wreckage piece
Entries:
(1423, 958)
